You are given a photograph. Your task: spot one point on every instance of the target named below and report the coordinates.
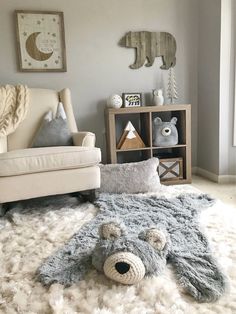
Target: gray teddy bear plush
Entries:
(165, 133)
(130, 242)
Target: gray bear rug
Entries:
(134, 236)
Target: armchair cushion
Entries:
(33, 160)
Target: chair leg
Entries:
(87, 196)
(3, 210)
(92, 196)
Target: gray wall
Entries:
(216, 87)
(208, 84)
(227, 77)
(97, 66)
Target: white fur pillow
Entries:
(135, 177)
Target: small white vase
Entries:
(158, 99)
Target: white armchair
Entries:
(34, 172)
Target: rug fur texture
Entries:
(34, 232)
(175, 237)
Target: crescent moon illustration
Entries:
(33, 50)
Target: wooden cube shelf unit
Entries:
(142, 119)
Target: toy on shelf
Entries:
(130, 138)
(158, 99)
(165, 133)
(114, 101)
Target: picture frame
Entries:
(132, 99)
(40, 39)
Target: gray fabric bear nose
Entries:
(122, 267)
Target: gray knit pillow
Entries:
(53, 132)
(135, 177)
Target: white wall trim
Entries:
(214, 177)
(227, 179)
(206, 174)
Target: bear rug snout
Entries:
(124, 267)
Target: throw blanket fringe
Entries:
(14, 103)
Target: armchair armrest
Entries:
(84, 139)
(3, 144)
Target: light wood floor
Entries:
(225, 192)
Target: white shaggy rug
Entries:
(32, 235)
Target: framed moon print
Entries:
(41, 41)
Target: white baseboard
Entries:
(227, 179)
(214, 177)
(206, 174)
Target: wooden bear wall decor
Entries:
(150, 45)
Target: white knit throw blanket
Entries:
(14, 103)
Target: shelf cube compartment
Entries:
(133, 156)
(140, 122)
(180, 125)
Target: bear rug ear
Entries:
(156, 238)
(110, 230)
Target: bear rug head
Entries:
(134, 236)
(127, 258)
